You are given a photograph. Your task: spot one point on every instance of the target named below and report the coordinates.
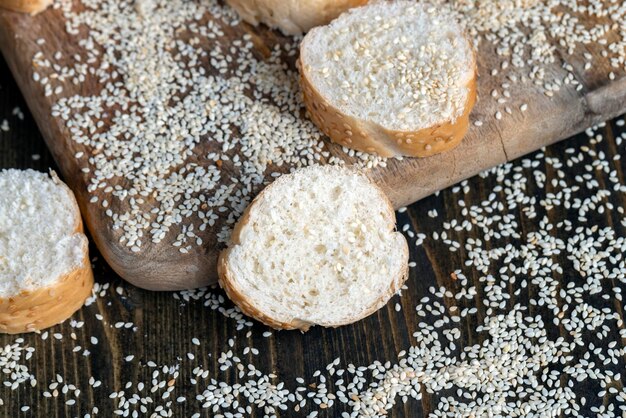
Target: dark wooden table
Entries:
(164, 325)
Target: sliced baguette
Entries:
(316, 247)
(26, 6)
(45, 273)
(391, 78)
(292, 17)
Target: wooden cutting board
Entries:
(162, 267)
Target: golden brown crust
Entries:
(42, 308)
(25, 6)
(292, 17)
(247, 306)
(369, 137)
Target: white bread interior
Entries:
(45, 273)
(392, 78)
(316, 247)
(26, 6)
(292, 17)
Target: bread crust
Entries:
(26, 6)
(34, 310)
(367, 136)
(292, 17)
(42, 308)
(228, 282)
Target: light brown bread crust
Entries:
(42, 308)
(292, 17)
(363, 135)
(25, 6)
(247, 305)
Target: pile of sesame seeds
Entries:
(538, 292)
(532, 37)
(533, 356)
(14, 371)
(150, 398)
(182, 124)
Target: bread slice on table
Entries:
(391, 78)
(45, 273)
(25, 6)
(292, 17)
(316, 247)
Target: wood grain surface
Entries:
(163, 267)
(165, 326)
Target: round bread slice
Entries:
(292, 17)
(45, 273)
(391, 78)
(316, 247)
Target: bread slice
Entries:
(316, 247)
(391, 78)
(292, 17)
(45, 273)
(26, 6)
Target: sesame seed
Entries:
(564, 264)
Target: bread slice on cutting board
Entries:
(392, 78)
(26, 6)
(45, 273)
(292, 17)
(316, 247)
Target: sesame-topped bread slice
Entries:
(26, 6)
(292, 17)
(392, 78)
(316, 247)
(45, 272)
